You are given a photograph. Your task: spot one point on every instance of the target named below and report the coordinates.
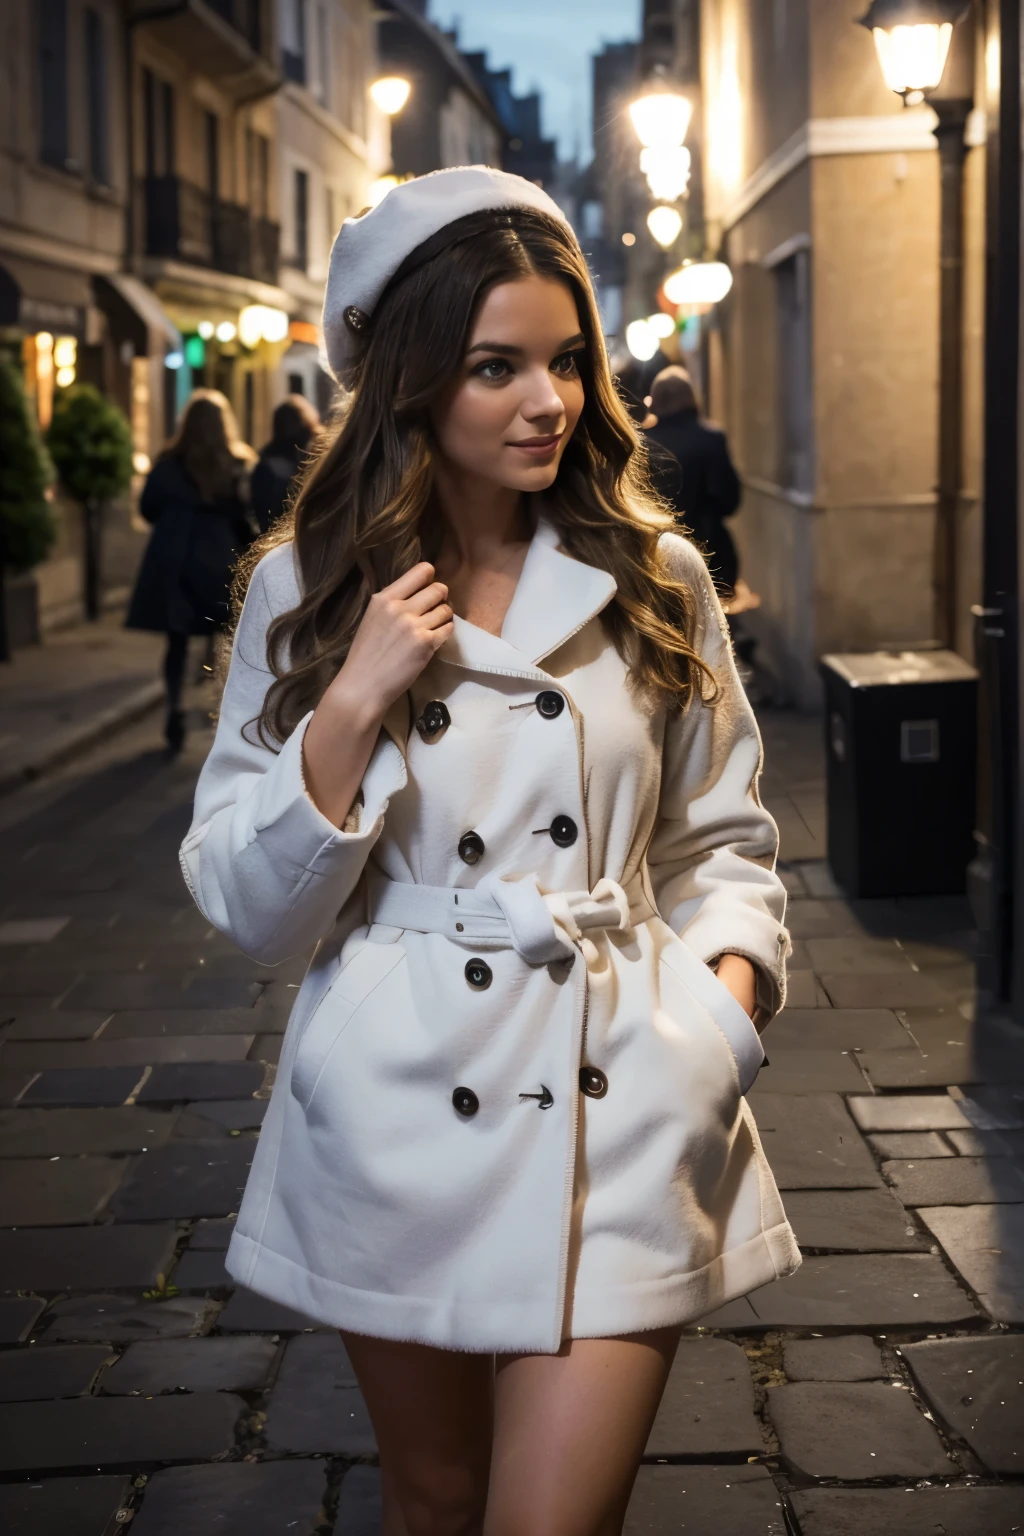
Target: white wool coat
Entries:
(555, 1145)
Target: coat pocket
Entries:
(347, 993)
(731, 1018)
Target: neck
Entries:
(479, 516)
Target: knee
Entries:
(442, 1504)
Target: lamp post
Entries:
(912, 39)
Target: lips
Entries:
(538, 446)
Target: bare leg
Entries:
(432, 1412)
(569, 1432)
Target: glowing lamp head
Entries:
(226, 331)
(641, 340)
(661, 325)
(661, 118)
(389, 94)
(205, 329)
(912, 40)
(667, 171)
(664, 224)
(699, 284)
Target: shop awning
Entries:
(136, 314)
(50, 298)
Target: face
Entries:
(518, 394)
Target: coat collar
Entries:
(556, 595)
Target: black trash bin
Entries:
(900, 733)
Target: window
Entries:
(52, 62)
(300, 212)
(211, 147)
(158, 115)
(794, 393)
(322, 85)
(293, 40)
(97, 88)
(257, 172)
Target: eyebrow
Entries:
(505, 351)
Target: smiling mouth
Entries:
(538, 445)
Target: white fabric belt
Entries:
(510, 913)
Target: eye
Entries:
(567, 363)
(494, 369)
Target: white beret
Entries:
(369, 250)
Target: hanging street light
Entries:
(667, 171)
(912, 39)
(661, 325)
(641, 340)
(389, 94)
(698, 284)
(665, 224)
(661, 118)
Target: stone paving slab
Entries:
(206, 1118)
(848, 1357)
(248, 1313)
(913, 1144)
(855, 1431)
(73, 1132)
(281, 1498)
(146, 989)
(856, 1220)
(857, 954)
(811, 1071)
(85, 1258)
(956, 1180)
(707, 1409)
(266, 1048)
(186, 1179)
(146, 1023)
(38, 1192)
(359, 1503)
(989, 1143)
(18, 1316)
(985, 1244)
(189, 1082)
(46, 1055)
(96, 1086)
(976, 1387)
(811, 918)
(969, 1511)
(729, 1501)
(201, 1270)
(844, 1029)
(931, 1069)
(55, 1024)
(865, 1290)
(908, 1112)
(40, 1373)
(315, 1404)
(818, 1148)
(212, 1232)
(893, 989)
(804, 990)
(63, 1506)
(992, 1109)
(120, 1320)
(190, 1365)
(13, 1085)
(116, 1431)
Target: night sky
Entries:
(548, 43)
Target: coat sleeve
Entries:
(723, 483)
(712, 855)
(261, 861)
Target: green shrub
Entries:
(28, 526)
(90, 442)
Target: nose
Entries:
(543, 403)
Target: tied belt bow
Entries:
(540, 927)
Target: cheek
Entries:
(473, 424)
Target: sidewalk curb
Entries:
(77, 737)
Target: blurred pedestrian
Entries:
(691, 468)
(197, 500)
(296, 429)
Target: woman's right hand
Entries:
(402, 628)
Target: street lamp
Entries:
(698, 283)
(389, 94)
(912, 39)
(661, 118)
(667, 170)
(664, 224)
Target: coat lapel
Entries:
(555, 597)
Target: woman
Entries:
(482, 738)
(197, 500)
(296, 427)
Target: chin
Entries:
(536, 478)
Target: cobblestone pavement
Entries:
(876, 1391)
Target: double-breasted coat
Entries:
(509, 1107)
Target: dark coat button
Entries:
(593, 1082)
(466, 1102)
(550, 704)
(471, 847)
(564, 831)
(479, 975)
(434, 720)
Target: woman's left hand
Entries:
(737, 974)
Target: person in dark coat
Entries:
(296, 427)
(691, 468)
(197, 500)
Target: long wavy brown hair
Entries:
(366, 511)
(209, 446)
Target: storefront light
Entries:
(667, 171)
(661, 118)
(65, 352)
(641, 340)
(205, 329)
(664, 224)
(661, 325)
(699, 282)
(226, 331)
(174, 360)
(389, 94)
(64, 377)
(912, 40)
(141, 463)
(261, 322)
(195, 351)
